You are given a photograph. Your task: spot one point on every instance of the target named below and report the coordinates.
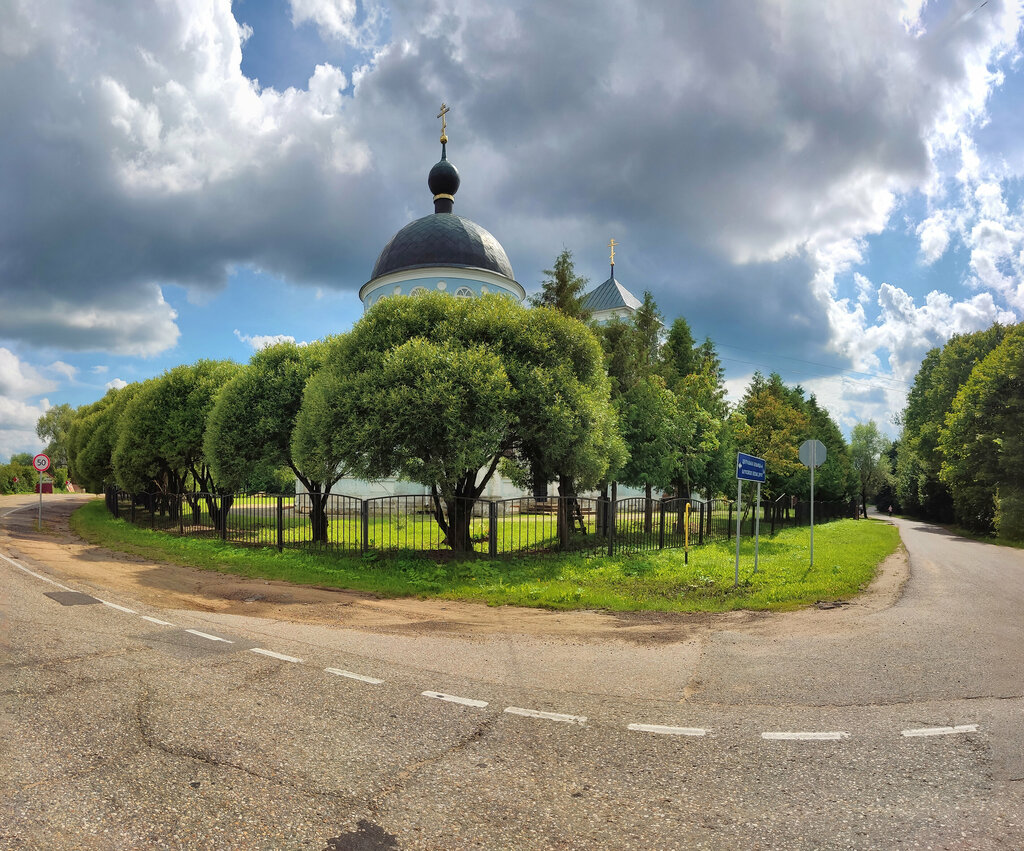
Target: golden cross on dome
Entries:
(611, 244)
(444, 125)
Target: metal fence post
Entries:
(364, 520)
(700, 524)
(661, 525)
(730, 520)
(612, 511)
(181, 514)
(563, 521)
(223, 521)
(492, 529)
(280, 523)
(132, 513)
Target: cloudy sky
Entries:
(826, 189)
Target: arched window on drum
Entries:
(464, 292)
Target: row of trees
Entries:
(446, 392)
(960, 456)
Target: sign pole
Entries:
(752, 469)
(41, 463)
(814, 454)
(686, 534)
(757, 525)
(739, 511)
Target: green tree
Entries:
(439, 390)
(982, 442)
(679, 355)
(869, 457)
(160, 433)
(650, 423)
(834, 480)
(52, 427)
(23, 459)
(648, 327)
(618, 343)
(922, 491)
(92, 437)
(772, 427)
(250, 426)
(563, 289)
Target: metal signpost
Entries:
(42, 463)
(812, 454)
(749, 468)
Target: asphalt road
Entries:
(897, 726)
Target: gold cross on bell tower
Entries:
(611, 244)
(444, 125)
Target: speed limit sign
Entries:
(41, 462)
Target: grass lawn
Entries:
(846, 553)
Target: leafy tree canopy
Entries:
(869, 459)
(650, 424)
(438, 390)
(53, 428)
(943, 372)
(250, 425)
(92, 437)
(982, 442)
(160, 433)
(563, 289)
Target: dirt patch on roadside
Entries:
(169, 586)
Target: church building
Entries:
(445, 252)
(610, 300)
(442, 251)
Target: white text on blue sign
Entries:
(750, 468)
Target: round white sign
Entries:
(41, 462)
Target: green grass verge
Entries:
(846, 553)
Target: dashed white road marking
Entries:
(452, 698)
(13, 563)
(547, 716)
(830, 736)
(207, 635)
(121, 608)
(156, 620)
(941, 731)
(19, 508)
(363, 679)
(668, 731)
(274, 655)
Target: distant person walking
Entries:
(890, 511)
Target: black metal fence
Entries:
(506, 527)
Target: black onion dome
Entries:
(443, 178)
(443, 239)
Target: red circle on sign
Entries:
(41, 462)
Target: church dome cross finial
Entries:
(443, 179)
(611, 244)
(444, 124)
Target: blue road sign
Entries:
(750, 468)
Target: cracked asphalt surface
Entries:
(121, 733)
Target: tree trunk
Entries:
(318, 515)
(566, 508)
(460, 515)
(648, 510)
(456, 525)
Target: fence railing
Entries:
(494, 528)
